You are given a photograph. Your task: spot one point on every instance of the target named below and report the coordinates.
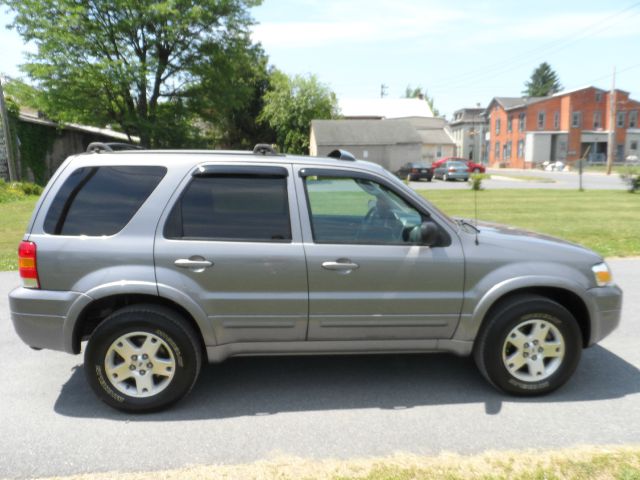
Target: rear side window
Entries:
(98, 201)
(232, 208)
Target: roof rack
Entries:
(264, 149)
(97, 147)
(342, 155)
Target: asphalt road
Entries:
(508, 178)
(254, 408)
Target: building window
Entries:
(619, 152)
(634, 145)
(620, 117)
(497, 152)
(541, 120)
(521, 122)
(597, 120)
(507, 151)
(598, 97)
(520, 148)
(576, 120)
(510, 123)
(633, 119)
(497, 126)
(556, 120)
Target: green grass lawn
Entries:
(606, 221)
(14, 217)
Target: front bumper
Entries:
(40, 317)
(606, 311)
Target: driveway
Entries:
(253, 408)
(513, 178)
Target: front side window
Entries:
(348, 210)
(100, 201)
(232, 208)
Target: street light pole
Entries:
(612, 124)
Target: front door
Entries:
(230, 243)
(369, 276)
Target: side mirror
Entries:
(429, 233)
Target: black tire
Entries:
(178, 343)
(429, 179)
(520, 312)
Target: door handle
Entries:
(341, 266)
(188, 263)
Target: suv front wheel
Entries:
(143, 358)
(529, 346)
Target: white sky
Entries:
(463, 52)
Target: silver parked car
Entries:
(452, 170)
(164, 260)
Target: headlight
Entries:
(602, 274)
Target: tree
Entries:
(544, 81)
(421, 93)
(134, 63)
(289, 106)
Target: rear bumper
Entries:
(605, 316)
(40, 317)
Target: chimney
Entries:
(421, 96)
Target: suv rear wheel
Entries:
(143, 358)
(530, 346)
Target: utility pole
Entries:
(612, 123)
(383, 90)
(5, 147)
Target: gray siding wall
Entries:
(391, 157)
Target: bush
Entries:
(631, 176)
(17, 190)
(476, 180)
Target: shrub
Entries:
(476, 180)
(17, 190)
(631, 176)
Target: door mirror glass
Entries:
(429, 233)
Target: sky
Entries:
(462, 52)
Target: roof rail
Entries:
(97, 147)
(342, 155)
(264, 149)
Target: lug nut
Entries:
(525, 354)
(526, 345)
(134, 357)
(142, 372)
(535, 342)
(149, 365)
(535, 357)
(132, 367)
(145, 356)
(540, 350)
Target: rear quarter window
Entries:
(98, 201)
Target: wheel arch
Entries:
(567, 298)
(95, 312)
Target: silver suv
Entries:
(162, 259)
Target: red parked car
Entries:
(473, 167)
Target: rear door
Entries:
(231, 241)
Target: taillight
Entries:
(27, 265)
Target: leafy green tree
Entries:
(544, 81)
(21, 93)
(289, 106)
(419, 92)
(134, 64)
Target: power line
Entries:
(522, 59)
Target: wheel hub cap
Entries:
(139, 364)
(533, 350)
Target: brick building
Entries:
(524, 132)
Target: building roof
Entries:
(468, 115)
(379, 108)
(435, 137)
(422, 123)
(364, 132)
(32, 117)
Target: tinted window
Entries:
(232, 207)
(351, 210)
(100, 200)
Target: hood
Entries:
(531, 244)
